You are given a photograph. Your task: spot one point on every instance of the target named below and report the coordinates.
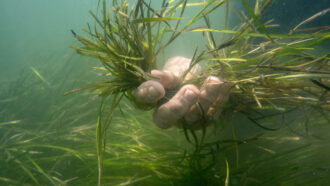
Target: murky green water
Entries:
(49, 139)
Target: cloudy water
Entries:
(49, 138)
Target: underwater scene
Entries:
(165, 92)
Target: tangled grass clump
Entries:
(271, 74)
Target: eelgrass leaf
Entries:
(195, 18)
(185, 131)
(198, 16)
(320, 84)
(76, 153)
(92, 85)
(99, 143)
(256, 19)
(261, 126)
(209, 35)
(155, 19)
(40, 169)
(303, 76)
(227, 173)
(181, 14)
(323, 36)
(8, 180)
(96, 19)
(38, 74)
(226, 59)
(150, 44)
(28, 172)
(10, 122)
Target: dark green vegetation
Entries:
(273, 131)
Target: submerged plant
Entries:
(129, 38)
(271, 74)
(127, 41)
